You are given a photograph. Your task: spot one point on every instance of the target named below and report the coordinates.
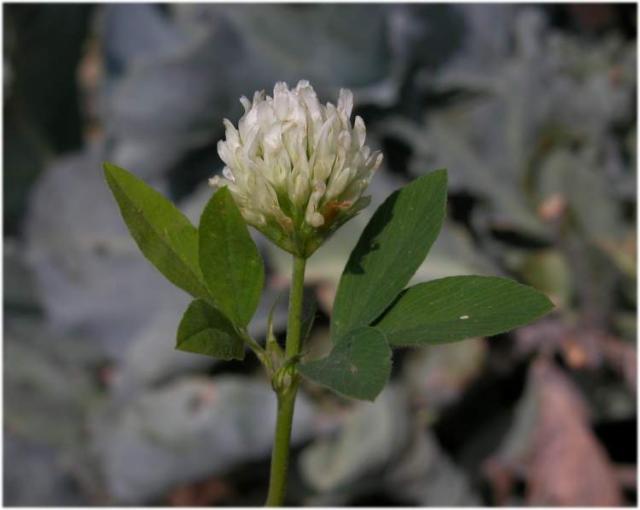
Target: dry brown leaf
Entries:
(553, 208)
(551, 448)
(581, 347)
(622, 357)
(568, 466)
(207, 493)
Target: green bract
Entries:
(219, 264)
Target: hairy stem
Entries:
(286, 389)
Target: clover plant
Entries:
(296, 170)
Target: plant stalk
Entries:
(287, 392)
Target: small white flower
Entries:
(297, 169)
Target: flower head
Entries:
(297, 169)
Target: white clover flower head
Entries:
(296, 168)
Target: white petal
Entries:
(315, 219)
(230, 132)
(359, 130)
(374, 161)
(281, 100)
(272, 139)
(345, 102)
(302, 84)
(338, 183)
(215, 181)
(312, 216)
(299, 190)
(228, 174)
(226, 155)
(311, 102)
(246, 104)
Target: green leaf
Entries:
(229, 259)
(357, 367)
(461, 307)
(164, 235)
(205, 330)
(391, 248)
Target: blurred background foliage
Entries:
(532, 110)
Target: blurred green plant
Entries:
(220, 266)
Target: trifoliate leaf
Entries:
(391, 248)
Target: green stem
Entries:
(294, 326)
(287, 392)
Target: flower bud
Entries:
(297, 169)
